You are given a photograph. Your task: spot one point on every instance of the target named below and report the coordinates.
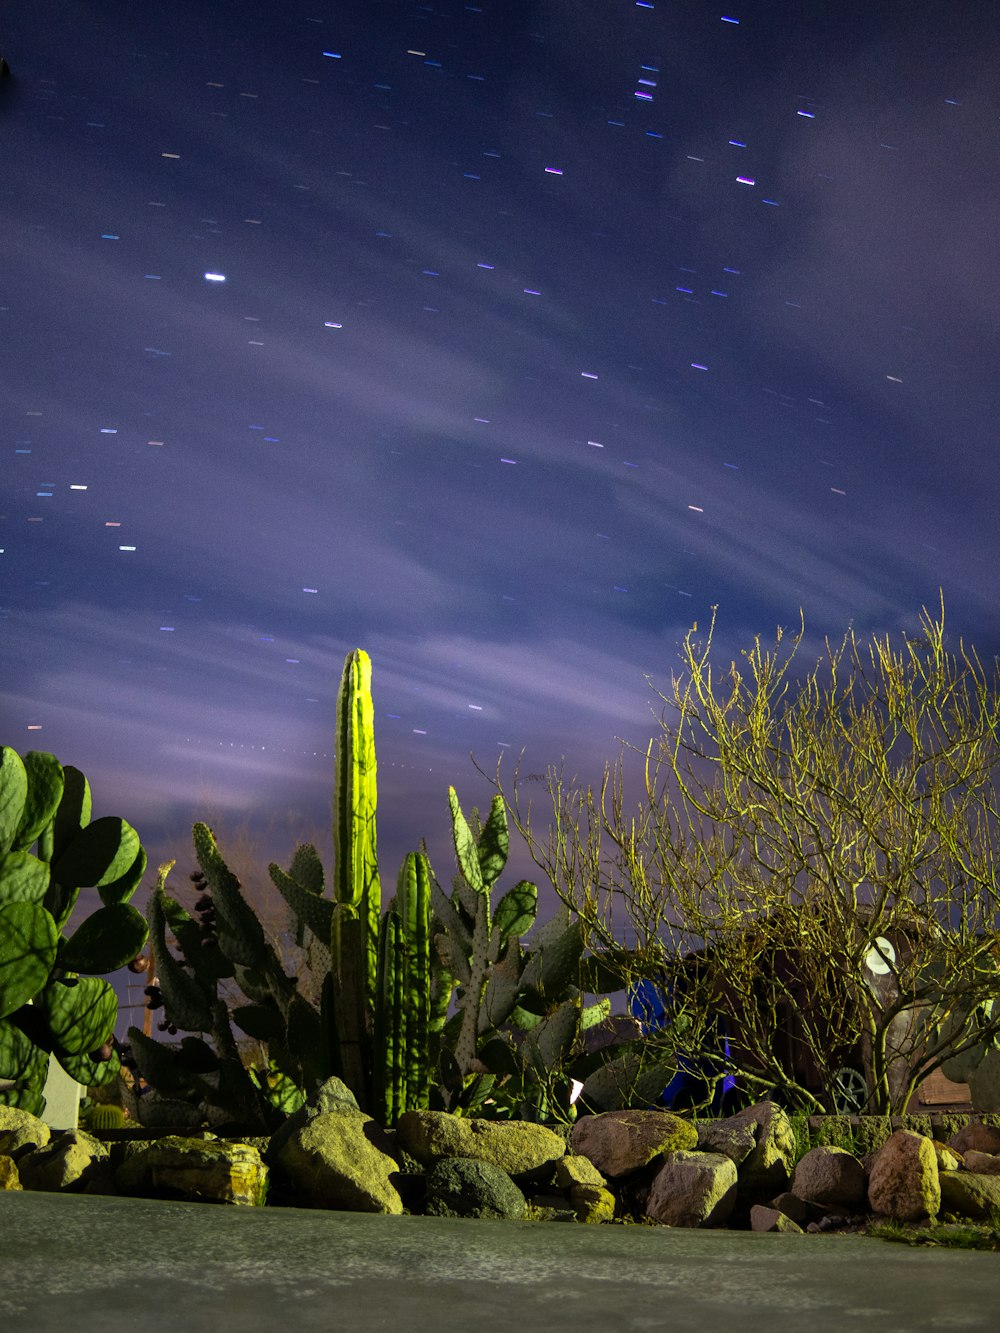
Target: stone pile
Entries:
(643, 1165)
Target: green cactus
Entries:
(105, 1116)
(51, 1000)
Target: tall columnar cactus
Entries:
(403, 1069)
(51, 1000)
(354, 940)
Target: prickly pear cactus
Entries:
(51, 999)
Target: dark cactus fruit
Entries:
(197, 877)
(103, 1052)
(139, 964)
(204, 904)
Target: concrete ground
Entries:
(74, 1263)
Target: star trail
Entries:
(500, 340)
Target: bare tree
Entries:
(810, 863)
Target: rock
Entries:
(331, 1095)
(736, 1142)
(947, 1158)
(982, 1163)
(904, 1182)
(575, 1170)
(342, 1159)
(619, 1142)
(693, 1189)
(68, 1162)
(592, 1203)
(970, 1193)
(9, 1178)
(799, 1210)
(768, 1167)
(212, 1169)
(21, 1131)
(763, 1218)
(981, 1138)
(831, 1176)
(470, 1187)
(515, 1146)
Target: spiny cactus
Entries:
(46, 1005)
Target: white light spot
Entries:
(215, 277)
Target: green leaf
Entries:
(494, 843)
(554, 959)
(466, 851)
(13, 794)
(99, 854)
(185, 999)
(594, 1014)
(499, 1057)
(24, 1062)
(106, 941)
(81, 1012)
(91, 1073)
(74, 809)
(262, 1021)
(516, 910)
(120, 890)
(307, 869)
(551, 1042)
(158, 1064)
(28, 943)
(316, 912)
(45, 789)
(197, 1056)
(23, 878)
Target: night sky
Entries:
(500, 340)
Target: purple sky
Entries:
(543, 329)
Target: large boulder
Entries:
(71, 1161)
(211, 1169)
(467, 1187)
(979, 1137)
(904, 1183)
(693, 1189)
(516, 1146)
(21, 1132)
(736, 1142)
(9, 1178)
(830, 1175)
(332, 1095)
(620, 1142)
(970, 1193)
(342, 1159)
(768, 1168)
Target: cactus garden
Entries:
(451, 1055)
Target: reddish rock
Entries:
(763, 1218)
(620, 1142)
(830, 1175)
(693, 1189)
(979, 1137)
(983, 1163)
(904, 1183)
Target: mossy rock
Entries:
(870, 1133)
(950, 1123)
